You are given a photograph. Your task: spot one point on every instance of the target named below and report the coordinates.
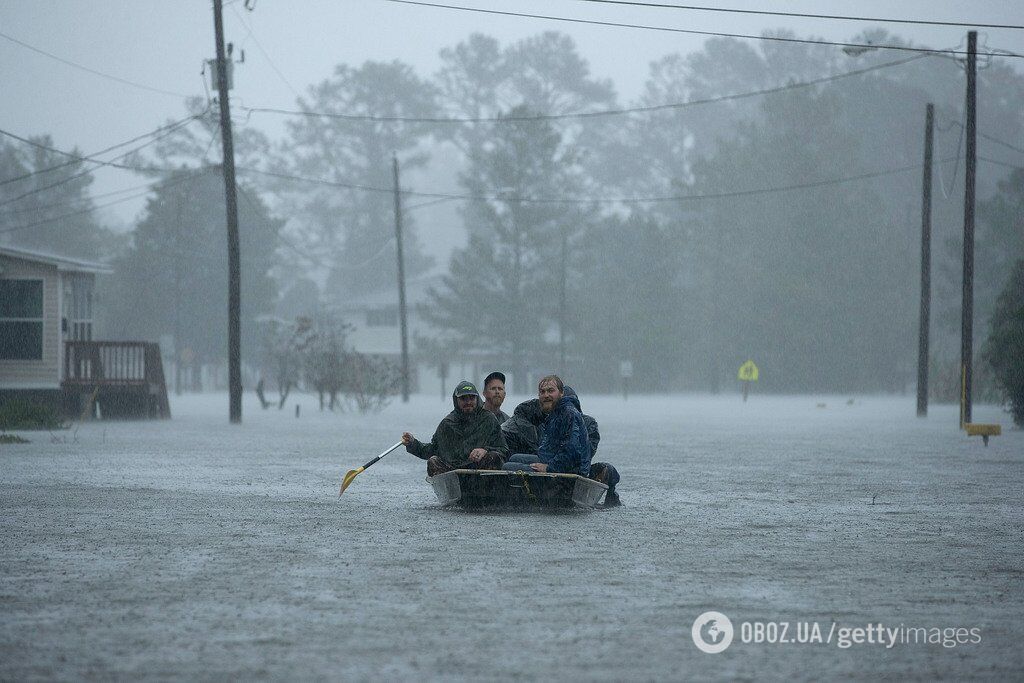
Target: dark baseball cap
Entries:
(494, 375)
(466, 388)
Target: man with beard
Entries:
(469, 437)
(563, 446)
(522, 434)
(494, 395)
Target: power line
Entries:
(925, 22)
(75, 158)
(1000, 142)
(585, 115)
(960, 124)
(37, 209)
(111, 77)
(185, 176)
(266, 55)
(1016, 167)
(97, 161)
(648, 27)
(592, 200)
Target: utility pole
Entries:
(178, 347)
(563, 303)
(926, 265)
(401, 282)
(970, 164)
(231, 200)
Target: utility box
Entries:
(211, 67)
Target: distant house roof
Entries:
(387, 295)
(64, 263)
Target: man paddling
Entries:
(563, 446)
(469, 437)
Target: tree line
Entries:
(782, 227)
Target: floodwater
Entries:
(196, 549)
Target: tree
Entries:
(173, 277)
(45, 202)
(352, 229)
(630, 305)
(502, 287)
(1004, 348)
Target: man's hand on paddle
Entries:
(477, 454)
(407, 438)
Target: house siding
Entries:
(45, 373)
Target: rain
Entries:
(585, 339)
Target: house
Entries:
(47, 351)
(375, 330)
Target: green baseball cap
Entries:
(466, 388)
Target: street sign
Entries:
(748, 372)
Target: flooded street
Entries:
(195, 549)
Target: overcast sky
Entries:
(291, 44)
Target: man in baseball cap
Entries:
(494, 395)
(468, 437)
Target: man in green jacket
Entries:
(469, 437)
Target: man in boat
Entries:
(494, 395)
(521, 432)
(469, 437)
(563, 445)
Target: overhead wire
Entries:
(586, 115)
(77, 158)
(56, 205)
(186, 175)
(102, 163)
(1016, 167)
(589, 200)
(801, 15)
(95, 72)
(670, 29)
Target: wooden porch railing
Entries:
(104, 367)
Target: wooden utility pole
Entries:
(926, 265)
(401, 282)
(970, 164)
(231, 200)
(563, 303)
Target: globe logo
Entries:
(712, 632)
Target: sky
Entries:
(161, 46)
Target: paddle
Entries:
(351, 474)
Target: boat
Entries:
(502, 489)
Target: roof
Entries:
(387, 293)
(63, 263)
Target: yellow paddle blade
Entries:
(349, 476)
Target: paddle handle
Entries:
(382, 454)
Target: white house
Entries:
(375, 330)
(47, 351)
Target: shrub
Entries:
(23, 415)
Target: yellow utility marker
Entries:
(982, 430)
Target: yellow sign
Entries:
(748, 372)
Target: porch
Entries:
(125, 379)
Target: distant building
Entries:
(376, 331)
(47, 351)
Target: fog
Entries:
(734, 199)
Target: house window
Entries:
(21, 319)
(382, 317)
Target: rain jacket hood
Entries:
(563, 439)
(459, 433)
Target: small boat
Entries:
(475, 489)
